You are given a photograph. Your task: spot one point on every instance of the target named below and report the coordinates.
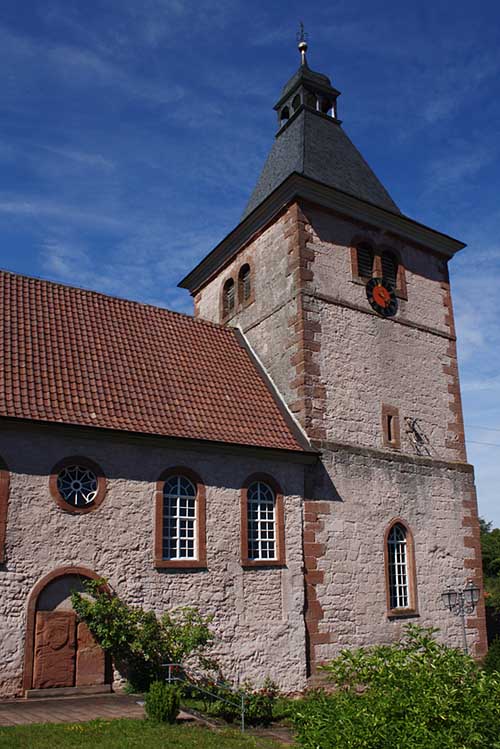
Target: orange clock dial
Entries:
(382, 297)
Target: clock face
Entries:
(382, 297)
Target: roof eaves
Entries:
(297, 185)
(308, 455)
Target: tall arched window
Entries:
(180, 520)
(244, 284)
(364, 254)
(390, 268)
(262, 523)
(228, 298)
(400, 568)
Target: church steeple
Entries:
(306, 88)
(310, 141)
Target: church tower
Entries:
(346, 302)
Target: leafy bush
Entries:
(162, 702)
(491, 662)
(224, 701)
(260, 703)
(416, 694)
(139, 641)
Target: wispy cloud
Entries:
(81, 157)
(78, 66)
(481, 385)
(460, 163)
(133, 263)
(38, 208)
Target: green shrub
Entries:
(491, 662)
(260, 703)
(138, 641)
(225, 704)
(223, 700)
(416, 694)
(162, 702)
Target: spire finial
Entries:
(302, 43)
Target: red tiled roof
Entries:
(78, 357)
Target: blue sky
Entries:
(133, 131)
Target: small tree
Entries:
(138, 640)
(490, 551)
(416, 694)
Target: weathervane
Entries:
(302, 40)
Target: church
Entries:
(291, 459)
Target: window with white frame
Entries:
(397, 556)
(179, 519)
(261, 517)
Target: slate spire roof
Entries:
(78, 357)
(311, 142)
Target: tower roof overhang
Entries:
(298, 187)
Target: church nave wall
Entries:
(116, 541)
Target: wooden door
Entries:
(90, 659)
(55, 649)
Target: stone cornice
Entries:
(298, 186)
(392, 456)
(307, 456)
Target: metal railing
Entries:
(183, 677)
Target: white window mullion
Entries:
(398, 568)
(180, 532)
(261, 514)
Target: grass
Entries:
(125, 733)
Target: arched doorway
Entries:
(60, 652)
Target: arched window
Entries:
(400, 568)
(228, 298)
(311, 101)
(4, 499)
(327, 107)
(390, 268)
(364, 254)
(180, 520)
(262, 523)
(244, 284)
(296, 103)
(284, 115)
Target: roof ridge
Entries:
(94, 293)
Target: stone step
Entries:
(67, 691)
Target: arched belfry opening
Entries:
(60, 652)
(307, 90)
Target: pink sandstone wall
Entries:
(336, 363)
(349, 507)
(116, 541)
(266, 321)
(365, 361)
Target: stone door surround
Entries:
(59, 651)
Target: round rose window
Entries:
(78, 486)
